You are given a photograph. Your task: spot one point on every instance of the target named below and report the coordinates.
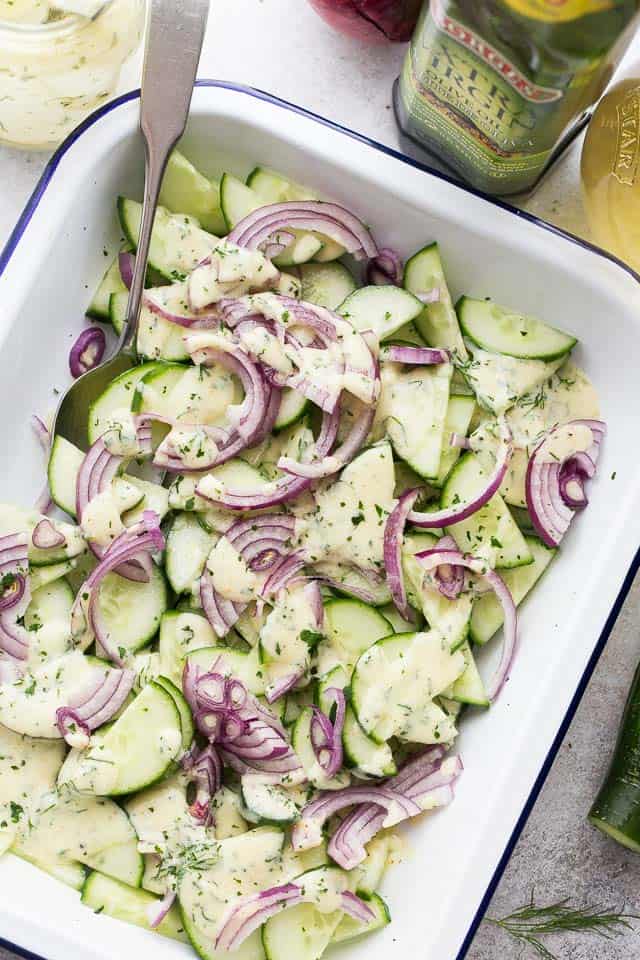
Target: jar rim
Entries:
(40, 31)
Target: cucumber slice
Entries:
(300, 933)
(457, 420)
(394, 683)
(350, 627)
(419, 395)
(398, 623)
(159, 339)
(303, 747)
(116, 899)
(438, 322)
(491, 532)
(122, 862)
(293, 407)
(16, 520)
(131, 611)
(137, 751)
(487, 616)
(183, 708)
(349, 929)
(500, 330)
(362, 753)
(41, 576)
(327, 284)
(188, 546)
(268, 803)
(381, 309)
(499, 381)
(616, 810)
(186, 190)
(367, 876)
(469, 687)
(118, 311)
(65, 461)
(117, 396)
(180, 634)
(237, 200)
(152, 392)
(178, 245)
(111, 282)
(47, 619)
(408, 335)
(243, 664)
(250, 949)
(66, 871)
(227, 812)
(154, 497)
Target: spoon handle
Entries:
(175, 34)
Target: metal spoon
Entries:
(174, 42)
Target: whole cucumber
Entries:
(616, 810)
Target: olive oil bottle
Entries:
(611, 172)
(496, 88)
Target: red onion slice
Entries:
(385, 268)
(221, 613)
(355, 907)
(205, 771)
(45, 536)
(279, 688)
(454, 514)
(87, 352)
(430, 296)
(450, 580)
(329, 219)
(42, 432)
(420, 356)
(105, 698)
(156, 912)
(16, 595)
(126, 265)
(432, 559)
(551, 482)
(393, 536)
(327, 466)
(326, 736)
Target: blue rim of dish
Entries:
(12, 244)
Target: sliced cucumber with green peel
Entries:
(457, 420)
(469, 688)
(122, 862)
(238, 201)
(118, 310)
(303, 748)
(350, 627)
(293, 408)
(398, 623)
(16, 520)
(491, 532)
(177, 244)
(437, 322)
(137, 751)
(244, 665)
(487, 616)
(300, 933)
(267, 802)
(188, 546)
(181, 633)
(249, 949)
(407, 336)
(349, 929)
(367, 876)
(500, 330)
(111, 282)
(362, 753)
(327, 284)
(41, 576)
(105, 895)
(153, 391)
(131, 611)
(154, 497)
(65, 461)
(381, 309)
(183, 708)
(117, 397)
(186, 190)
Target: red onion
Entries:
(355, 907)
(288, 568)
(45, 535)
(329, 219)
(393, 536)
(143, 538)
(262, 541)
(430, 296)
(385, 269)
(221, 613)
(307, 832)
(16, 595)
(126, 264)
(454, 514)
(205, 771)
(420, 356)
(460, 442)
(279, 688)
(42, 432)
(450, 580)
(374, 21)
(91, 710)
(326, 736)
(550, 502)
(432, 559)
(330, 464)
(87, 352)
(156, 912)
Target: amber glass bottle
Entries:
(495, 88)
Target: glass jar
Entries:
(53, 74)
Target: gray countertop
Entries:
(280, 46)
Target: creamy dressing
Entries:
(160, 810)
(120, 435)
(203, 394)
(348, 521)
(282, 636)
(194, 445)
(229, 271)
(499, 380)
(101, 520)
(231, 576)
(158, 338)
(400, 684)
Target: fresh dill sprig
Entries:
(530, 923)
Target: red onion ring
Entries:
(42, 432)
(221, 613)
(126, 265)
(106, 697)
(45, 535)
(454, 514)
(14, 579)
(205, 771)
(87, 352)
(326, 466)
(385, 269)
(550, 505)
(432, 559)
(421, 356)
(156, 912)
(326, 736)
(450, 580)
(392, 552)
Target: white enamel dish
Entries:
(48, 270)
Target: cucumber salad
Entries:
(239, 632)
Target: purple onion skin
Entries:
(374, 21)
(87, 352)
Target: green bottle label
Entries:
(463, 95)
